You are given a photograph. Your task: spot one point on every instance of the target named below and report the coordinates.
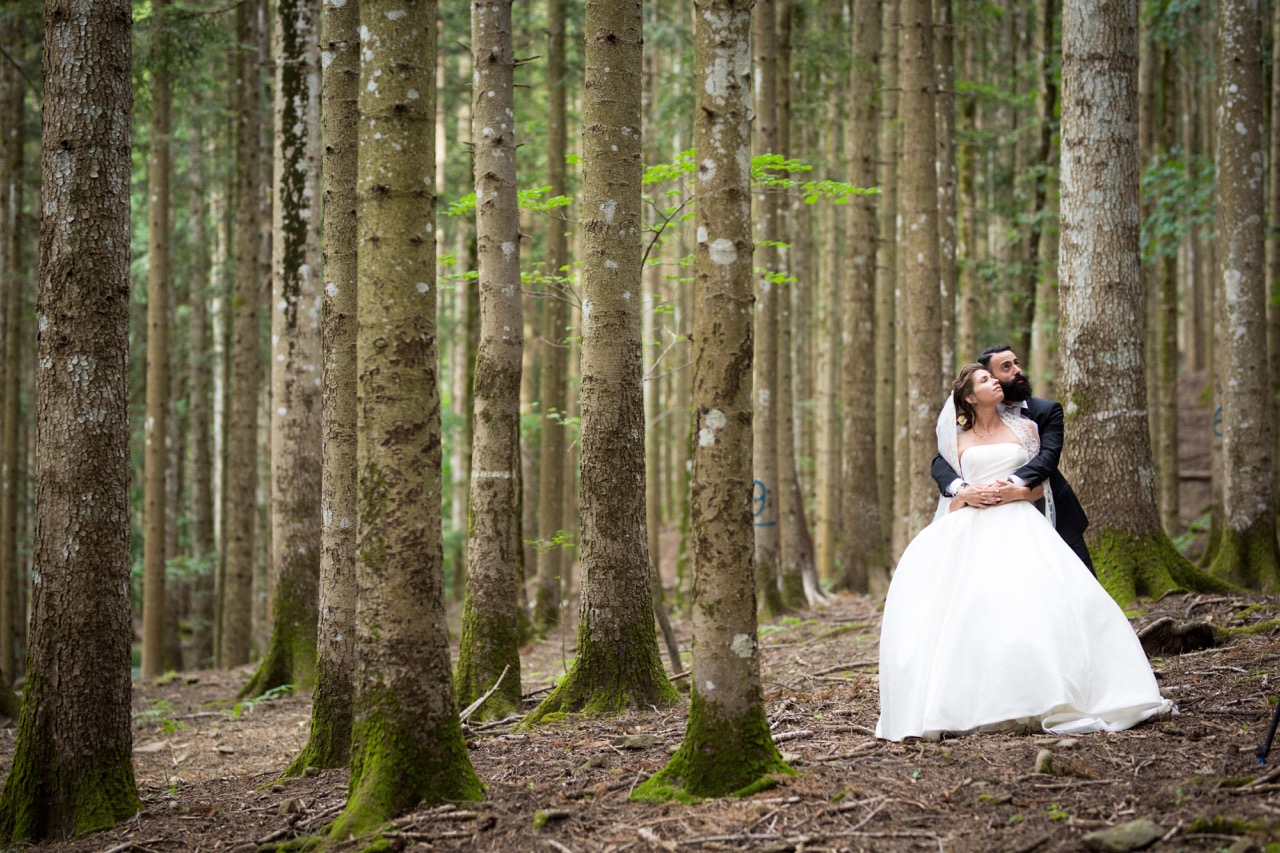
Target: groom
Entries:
(1070, 519)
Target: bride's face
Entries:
(986, 390)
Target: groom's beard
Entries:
(1017, 389)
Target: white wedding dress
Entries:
(992, 622)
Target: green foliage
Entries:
(1177, 197)
(561, 539)
(273, 695)
(160, 713)
(531, 198)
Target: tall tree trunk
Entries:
(158, 290)
(490, 640)
(552, 560)
(12, 626)
(1102, 306)
(887, 348)
(72, 769)
(1247, 553)
(1044, 329)
(945, 106)
(795, 559)
(920, 224)
(765, 220)
(407, 746)
(202, 543)
(727, 746)
(242, 429)
(295, 502)
(329, 743)
(1166, 298)
(862, 553)
(971, 290)
(464, 357)
(1273, 248)
(617, 665)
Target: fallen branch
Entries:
(474, 706)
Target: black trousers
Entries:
(1082, 552)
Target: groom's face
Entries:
(1005, 367)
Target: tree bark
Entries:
(72, 769)
(490, 640)
(12, 624)
(727, 747)
(1247, 553)
(765, 221)
(407, 747)
(203, 552)
(156, 454)
(920, 224)
(1104, 395)
(862, 552)
(242, 429)
(329, 744)
(887, 376)
(945, 111)
(617, 665)
(295, 502)
(555, 360)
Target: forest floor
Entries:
(207, 767)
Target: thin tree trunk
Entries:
(727, 746)
(1044, 329)
(242, 432)
(12, 624)
(862, 553)
(765, 221)
(945, 106)
(617, 664)
(887, 349)
(555, 360)
(295, 502)
(1247, 553)
(158, 291)
(971, 295)
(72, 767)
(407, 746)
(202, 541)
(329, 743)
(490, 640)
(920, 225)
(1273, 247)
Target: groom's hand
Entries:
(1006, 492)
(980, 496)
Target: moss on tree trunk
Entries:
(1131, 565)
(1248, 557)
(721, 756)
(396, 764)
(610, 675)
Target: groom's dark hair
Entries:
(985, 358)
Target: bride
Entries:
(991, 621)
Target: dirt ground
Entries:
(206, 767)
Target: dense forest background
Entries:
(920, 178)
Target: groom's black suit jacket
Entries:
(1070, 518)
